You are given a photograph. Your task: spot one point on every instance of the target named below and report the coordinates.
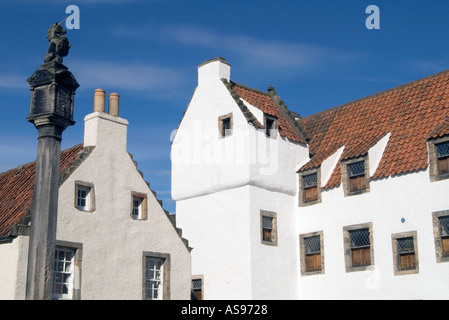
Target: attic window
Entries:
(443, 157)
(309, 191)
(438, 159)
(84, 196)
(310, 187)
(271, 126)
(355, 176)
(225, 125)
(139, 206)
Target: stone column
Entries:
(51, 111)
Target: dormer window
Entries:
(438, 159)
(443, 157)
(355, 176)
(225, 125)
(271, 126)
(309, 188)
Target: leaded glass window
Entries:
(444, 231)
(310, 185)
(406, 252)
(356, 174)
(443, 157)
(360, 247)
(356, 169)
(442, 149)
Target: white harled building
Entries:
(348, 203)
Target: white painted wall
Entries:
(113, 242)
(410, 196)
(221, 184)
(13, 265)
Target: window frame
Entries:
(165, 257)
(221, 128)
(302, 188)
(90, 198)
(274, 127)
(201, 290)
(346, 178)
(440, 244)
(75, 285)
(395, 238)
(304, 254)
(349, 250)
(143, 205)
(434, 171)
(273, 233)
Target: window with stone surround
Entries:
(268, 227)
(67, 271)
(156, 276)
(271, 126)
(139, 207)
(358, 246)
(197, 287)
(309, 186)
(311, 253)
(225, 125)
(405, 253)
(441, 235)
(439, 159)
(355, 176)
(84, 196)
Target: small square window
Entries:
(405, 253)
(84, 196)
(443, 157)
(225, 125)
(268, 227)
(271, 126)
(138, 206)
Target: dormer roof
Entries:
(412, 113)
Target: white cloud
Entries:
(13, 81)
(266, 52)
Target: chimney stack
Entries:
(114, 104)
(99, 100)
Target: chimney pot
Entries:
(99, 100)
(114, 104)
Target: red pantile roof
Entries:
(16, 189)
(412, 113)
(266, 102)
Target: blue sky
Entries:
(317, 55)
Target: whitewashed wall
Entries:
(409, 196)
(113, 242)
(221, 184)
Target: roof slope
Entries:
(17, 185)
(412, 113)
(269, 103)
